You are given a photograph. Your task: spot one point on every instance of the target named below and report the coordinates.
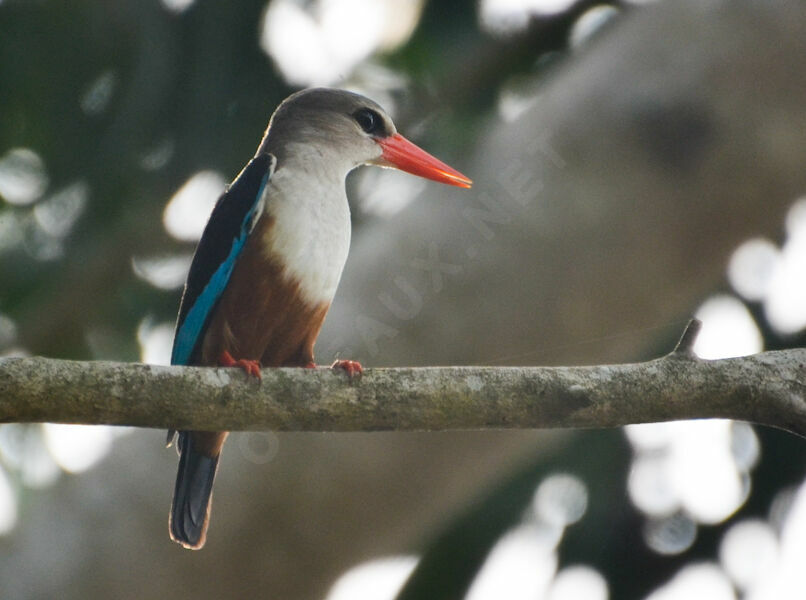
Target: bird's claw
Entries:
(353, 368)
(250, 367)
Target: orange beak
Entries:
(400, 153)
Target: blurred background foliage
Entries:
(634, 165)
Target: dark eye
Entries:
(370, 121)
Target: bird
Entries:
(269, 260)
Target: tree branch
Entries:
(767, 388)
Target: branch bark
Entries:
(767, 388)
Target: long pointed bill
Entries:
(400, 153)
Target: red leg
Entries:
(351, 367)
(250, 367)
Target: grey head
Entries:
(318, 124)
(325, 133)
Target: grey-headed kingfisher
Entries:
(270, 258)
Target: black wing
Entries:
(221, 244)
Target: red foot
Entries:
(310, 365)
(250, 367)
(351, 367)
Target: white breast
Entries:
(311, 231)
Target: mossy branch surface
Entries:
(767, 388)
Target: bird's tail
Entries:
(190, 510)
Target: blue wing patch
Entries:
(221, 244)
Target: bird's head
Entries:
(336, 130)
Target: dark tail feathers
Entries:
(190, 510)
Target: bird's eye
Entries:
(370, 121)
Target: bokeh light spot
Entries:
(703, 471)
(159, 155)
(385, 192)
(189, 209)
(671, 535)
(519, 567)
(319, 43)
(506, 17)
(751, 268)
(22, 449)
(698, 470)
(728, 329)
(785, 305)
(748, 552)
(163, 272)
(516, 96)
(561, 499)
(649, 486)
(23, 179)
(781, 505)
(11, 230)
(8, 504)
(58, 213)
(578, 582)
(379, 579)
(787, 579)
(177, 6)
(796, 218)
(590, 23)
(156, 342)
(41, 245)
(76, 448)
(8, 331)
(704, 580)
(99, 92)
(744, 445)
(649, 436)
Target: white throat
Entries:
(311, 231)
